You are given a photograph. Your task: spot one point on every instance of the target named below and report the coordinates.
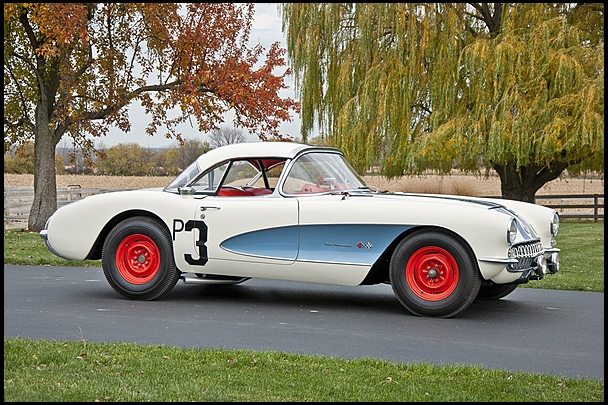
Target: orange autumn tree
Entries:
(74, 69)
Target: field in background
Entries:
(18, 190)
(454, 184)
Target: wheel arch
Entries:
(379, 272)
(95, 252)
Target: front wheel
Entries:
(434, 274)
(137, 259)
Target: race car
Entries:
(300, 212)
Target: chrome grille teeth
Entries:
(525, 254)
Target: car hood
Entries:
(487, 203)
(430, 198)
(532, 214)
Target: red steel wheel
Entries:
(432, 273)
(137, 259)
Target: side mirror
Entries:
(186, 190)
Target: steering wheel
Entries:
(322, 178)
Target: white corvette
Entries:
(289, 211)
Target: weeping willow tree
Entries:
(518, 88)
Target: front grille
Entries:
(526, 255)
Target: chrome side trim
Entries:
(198, 280)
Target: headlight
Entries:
(554, 224)
(512, 232)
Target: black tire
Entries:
(137, 259)
(495, 291)
(453, 278)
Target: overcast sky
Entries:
(266, 30)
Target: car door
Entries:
(253, 236)
(241, 223)
(258, 229)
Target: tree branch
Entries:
(28, 28)
(21, 97)
(20, 123)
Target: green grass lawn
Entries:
(104, 372)
(581, 259)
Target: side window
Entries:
(302, 174)
(240, 173)
(248, 173)
(272, 174)
(321, 173)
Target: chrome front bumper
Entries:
(533, 264)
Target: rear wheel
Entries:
(495, 291)
(433, 274)
(137, 259)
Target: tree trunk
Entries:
(45, 183)
(523, 183)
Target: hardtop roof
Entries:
(285, 150)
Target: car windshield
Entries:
(321, 172)
(186, 176)
(206, 182)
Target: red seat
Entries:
(258, 191)
(228, 191)
(232, 192)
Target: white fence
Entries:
(18, 201)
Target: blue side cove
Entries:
(352, 244)
(275, 243)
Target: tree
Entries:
(516, 87)
(127, 159)
(226, 136)
(166, 162)
(189, 151)
(22, 161)
(73, 69)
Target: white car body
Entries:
(327, 232)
